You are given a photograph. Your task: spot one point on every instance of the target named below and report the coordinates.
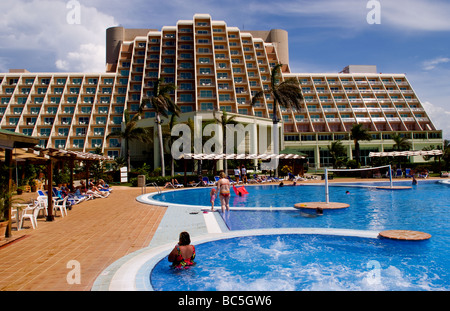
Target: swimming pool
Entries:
(296, 262)
(263, 248)
(319, 261)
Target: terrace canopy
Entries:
(18, 148)
(406, 153)
(221, 156)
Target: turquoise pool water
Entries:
(307, 262)
(322, 262)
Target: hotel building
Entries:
(215, 67)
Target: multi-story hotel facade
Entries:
(215, 68)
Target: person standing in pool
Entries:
(183, 254)
(223, 186)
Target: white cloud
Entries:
(41, 27)
(439, 117)
(433, 63)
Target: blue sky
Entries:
(413, 36)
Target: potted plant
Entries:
(33, 185)
(4, 197)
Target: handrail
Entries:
(156, 187)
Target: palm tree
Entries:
(400, 143)
(168, 139)
(287, 94)
(132, 132)
(358, 133)
(163, 105)
(224, 120)
(337, 153)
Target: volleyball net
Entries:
(377, 168)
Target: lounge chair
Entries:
(207, 182)
(408, 173)
(399, 173)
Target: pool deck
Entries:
(97, 234)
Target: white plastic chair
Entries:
(61, 205)
(30, 212)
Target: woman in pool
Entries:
(223, 186)
(183, 254)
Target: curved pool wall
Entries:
(131, 273)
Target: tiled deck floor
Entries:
(96, 233)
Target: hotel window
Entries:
(29, 81)
(207, 106)
(241, 100)
(63, 131)
(258, 114)
(38, 100)
(81, 131)
(52, 110)
(69, 110)
(103, 110)
(77, 80)
(42, 90)
(225, 108)
(78, 143)
(18, 110)
(113, 154)
(83, 120)
(243, 111)
(185, 75)
(28, 132)
(205, 71)
(185, 97)
(42, 143)
(72, 100)
(105, 100)
(118, 109)
(186, 86)
(186, 108)
(186, 56)
(66, 121)
(206, 94)
(203, 50)
(13, 121)
(224, 97)
(222, 75)
(45, 132)
(96, 143)
(86, 109)
(99, 131)
(114, 142)
(60, 143)
(26, 90)
(74, 90)
(49, 121)
(117, 120)
(186, 65)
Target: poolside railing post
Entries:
(327, 198)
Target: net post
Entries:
(390, 175)
(327, 196)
